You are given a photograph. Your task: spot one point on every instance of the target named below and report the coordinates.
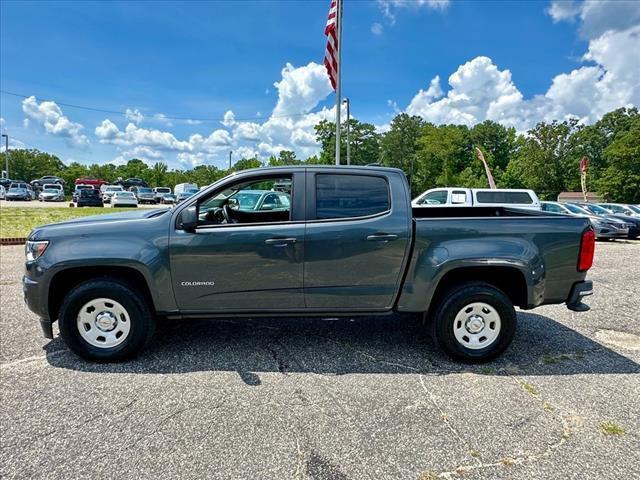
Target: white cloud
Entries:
(49, 115)
(389, 7)
(133, 115)
(229, 119)
(377, 28)
(479, 90)
(597, 17)
(301, 88)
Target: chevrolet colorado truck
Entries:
(347, 242)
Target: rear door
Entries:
(357, 237)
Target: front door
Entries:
(356, 241)
(246, 254)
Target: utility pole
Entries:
(230, 152)
(6, 154)
(346, 101)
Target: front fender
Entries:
(147, 256)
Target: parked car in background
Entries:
(632, 222)
(17, 193)
(251, 200)
(144, 194)
(619, 209)
(478, 197)
(168, 198)
(184, 187)
(124, 199)
(76, 191)
(51, 194)
(635, 208)
(604, 228)
(6, 183)
(39, 183)
(131, 182)
(108, 191)
(94, 182)
(89, 197)
(184, 195)
(159, 192)
(20, 191)
(3, 192)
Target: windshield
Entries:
(89, 193)
(597, 210)
(163, 190)
(575, 209)
(113, 189)
(634, 208)
(50, 190)
(124, 194)
(145, 190)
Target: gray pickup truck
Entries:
(343, 241)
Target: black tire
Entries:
(142, 320)
(453, 301)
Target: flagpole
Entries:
(338, 80)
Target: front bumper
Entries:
(578, 292)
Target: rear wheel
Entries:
(106, 320)
(474, 322)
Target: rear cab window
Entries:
(340, 196)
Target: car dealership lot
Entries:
(37, 204)
(331, 399)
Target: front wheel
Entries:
(105, 320)
(474, 322)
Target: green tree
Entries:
(285, 157)
(159, 172)
(29, 164)
(399, 146)
(363, 141)
(245, 164)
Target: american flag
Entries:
(331, 52)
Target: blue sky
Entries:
(514, 62)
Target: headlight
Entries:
(33, 250)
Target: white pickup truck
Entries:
(477, 197)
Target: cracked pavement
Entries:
(361, 398)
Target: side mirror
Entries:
(188, 220)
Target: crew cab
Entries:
(348, 244)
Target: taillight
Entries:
(587, 247)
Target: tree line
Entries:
(545, 158)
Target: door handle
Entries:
(382, 237)
(280, 242)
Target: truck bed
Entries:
(542, 248)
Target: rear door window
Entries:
(504, 197)
(347, 196)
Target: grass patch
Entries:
(612, 428)
(530, 388)
(18, 222)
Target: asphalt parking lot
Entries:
(363, 398)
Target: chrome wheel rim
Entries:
(103, 323)
(477, 325)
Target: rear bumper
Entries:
(578, 292)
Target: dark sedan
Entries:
(632, 222)
(89, 197)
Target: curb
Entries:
(13, 241)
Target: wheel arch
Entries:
(65, 280)
(508, 279)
